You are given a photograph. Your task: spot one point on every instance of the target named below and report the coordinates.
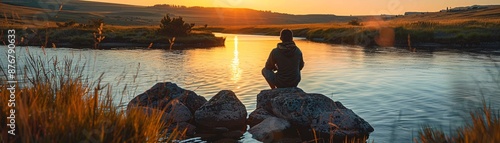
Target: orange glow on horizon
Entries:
(354, 7)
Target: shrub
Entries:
(175, 26)
(354, 22)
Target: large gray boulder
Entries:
(222, 110)
(300, 109)
(269, 130)
(306, 113)
(257, 116)
(342, 124)
(161, 94)
(265, 96)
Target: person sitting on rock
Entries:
(287, 60)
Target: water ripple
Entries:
(396, 91)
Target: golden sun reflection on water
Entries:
(235, 65)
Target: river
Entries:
(395, 90)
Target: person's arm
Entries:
(270, 63)
(301, 64)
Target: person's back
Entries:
(287, 59)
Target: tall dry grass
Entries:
(483, 127)
(57, 103)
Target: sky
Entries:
(337, 7)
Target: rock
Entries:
(177, 112)
(223, 110)
(269, 130)
(299, 109)
(341, 123)
(339, 105)
(161, 94)
(192, 101)
(265, 96)
(214, 137)
(226, 140)
(290, 114)
(207, 136)
(233, 134)
(181, 127)
(257, 116)
(219, 130)
(149, 112)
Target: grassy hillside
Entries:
(490, 12)
(461, 28)
(126, 15)
(32, 11)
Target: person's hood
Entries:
(287, 48)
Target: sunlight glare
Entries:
(235, 66)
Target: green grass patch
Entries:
(83, 37)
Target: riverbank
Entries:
(464, 34)
(113, 37)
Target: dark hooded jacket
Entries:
(287, 59)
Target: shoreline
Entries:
(112, 38)
(464, 35)
(131, 45)
(483, 48)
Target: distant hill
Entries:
(485, 12)
(120, 14)
(33, 11)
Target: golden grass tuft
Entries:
(56, 104)
(484, 128)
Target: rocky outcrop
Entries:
(282, 115)
(223, 110)
(220, 119)
(161, 94)
(176, 105)
(307, 113)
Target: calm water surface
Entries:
(396, 91)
